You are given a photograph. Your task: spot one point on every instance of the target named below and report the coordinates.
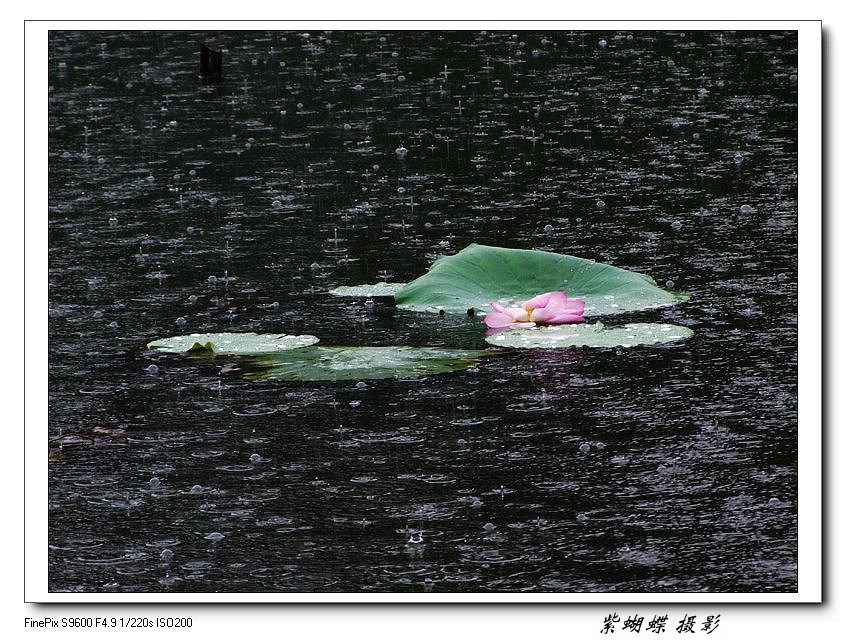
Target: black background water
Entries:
(669, 469)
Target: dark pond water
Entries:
(180, 207)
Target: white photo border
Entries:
(810, 329)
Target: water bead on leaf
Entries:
(359, 363)
(230, 344)
(589, 335)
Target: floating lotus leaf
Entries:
(231, 343)
(329, 363)
(382, 289)
(479, 275)
(592, 335)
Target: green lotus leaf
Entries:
(591, 335)
(479, 275)
(232, 343)
(330, 363)
(381, 289)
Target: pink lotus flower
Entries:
(548, 308)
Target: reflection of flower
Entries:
(548, 308)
